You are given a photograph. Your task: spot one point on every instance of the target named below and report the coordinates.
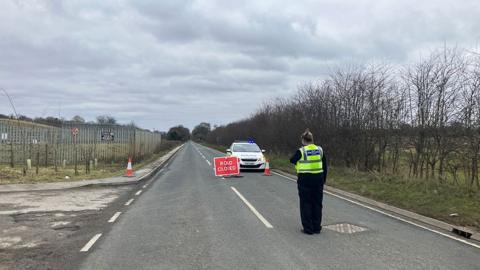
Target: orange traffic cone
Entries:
(266, 172)
(129, 168)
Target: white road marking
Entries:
(406, 221)
(114, 217)
(392, 216)
(259, 216)
(203, 156)
(129, 202)
(200, 153)
(286, 177)
(145, 186)
(138, 193)
(91, 243)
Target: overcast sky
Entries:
(166, 62)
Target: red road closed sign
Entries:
(226, 166)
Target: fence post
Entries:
(76, 157)
(86, 162)
(24, 148)
(55, 159)
(38, 159)
(46, 155)
(12, 157)
(134, 143)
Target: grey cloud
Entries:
(162, 9)
(57, 53)
(162, 63)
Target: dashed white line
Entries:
(203, 156)
(138, 193)
(392, 216)
(145, 186)
(91, 243)
(259, 216)
(114, 217)
(129, 202)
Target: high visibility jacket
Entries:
(311, 161)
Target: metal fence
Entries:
(73, 143)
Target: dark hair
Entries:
(307, 136)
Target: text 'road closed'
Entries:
(226, 166)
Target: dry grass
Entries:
(14, 175)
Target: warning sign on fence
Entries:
(108, 136)
(226, 166)
(74, 131)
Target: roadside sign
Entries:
(226, 166)
(107, 136)
(74, 132)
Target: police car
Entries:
(250, 155)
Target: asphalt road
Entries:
(189, 219)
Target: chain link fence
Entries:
(24, 142)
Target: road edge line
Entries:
(372, 208)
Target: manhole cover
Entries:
(345, 228)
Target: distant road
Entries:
(190, 219)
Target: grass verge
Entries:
(10, 175)
(430, 199)
(220, 148)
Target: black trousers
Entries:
(310, 191)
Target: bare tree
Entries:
(423, 119)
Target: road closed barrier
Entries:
(225, 166)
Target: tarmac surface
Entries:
(186, 218)
(44, 226)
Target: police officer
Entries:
(311, 165)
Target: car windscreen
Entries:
(247, 147)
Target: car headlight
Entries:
(262, 159)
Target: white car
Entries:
(250, 155)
